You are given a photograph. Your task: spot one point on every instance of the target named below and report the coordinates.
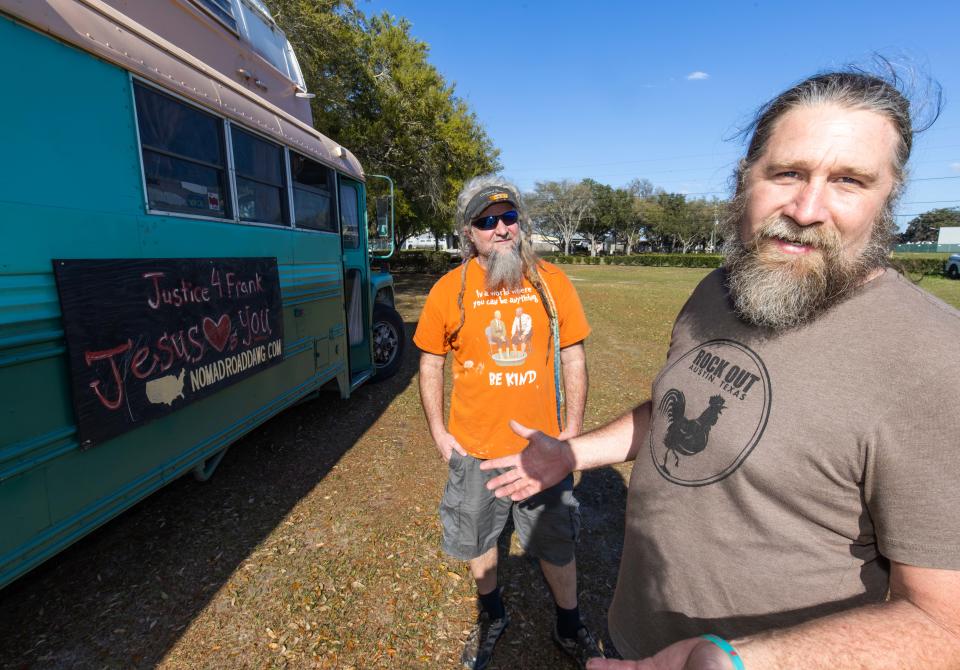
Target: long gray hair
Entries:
(884, 92)
(471, 188)
(529, 257)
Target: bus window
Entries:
(220, 9)
(349, 217)
(265, 37)
(184, 162)
(312, 194)
(261, 187)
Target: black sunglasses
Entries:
(490, 222)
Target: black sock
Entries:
(568, 621)
(492, 604)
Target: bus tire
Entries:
(388, 338)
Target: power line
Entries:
(933, 178)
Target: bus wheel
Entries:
(388, 341)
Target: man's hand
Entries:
(544, 462)
(447, 444)
(692, 654)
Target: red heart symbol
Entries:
(217, 333)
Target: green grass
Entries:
(947, 290)
(631, 311)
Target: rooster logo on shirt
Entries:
(687, 437)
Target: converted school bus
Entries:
(184, 255)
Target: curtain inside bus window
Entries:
(261, 187)
(349, 217)
(184, 161)
(354, 308)
(312, 194)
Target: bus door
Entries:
(356, 278)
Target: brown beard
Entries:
(778, 291)
(505, 269)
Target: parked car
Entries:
(952, 267)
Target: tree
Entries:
(612, 210)
(642, 188)
(686, 223)
(557, 208)
(668, 217)
(416, 129)
(926, 227)
(377, 94)
(645, 211)
(621, 216)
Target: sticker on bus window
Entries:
(213, 200)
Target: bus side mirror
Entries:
(381, 235)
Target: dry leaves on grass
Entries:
(316, 545)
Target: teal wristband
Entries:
(728, 649)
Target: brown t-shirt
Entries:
(782, 471)
(503, 363)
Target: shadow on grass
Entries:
(122, 596)
(527, 643)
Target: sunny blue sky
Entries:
(610, 90)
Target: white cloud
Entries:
(696, 76)
(955, 167)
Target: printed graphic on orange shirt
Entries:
(508, 333)
(510, 350)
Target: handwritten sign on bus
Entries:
(146, 337)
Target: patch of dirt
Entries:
(315, 545)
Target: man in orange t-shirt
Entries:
(536, 373)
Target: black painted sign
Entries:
(146, 337)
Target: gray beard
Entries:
(504, 270)
(778, 292)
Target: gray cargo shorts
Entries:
(547, 524)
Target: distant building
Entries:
(428, 242)
(948, 242)
(949, 239)
(544, 244)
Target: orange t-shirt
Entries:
(503, 363)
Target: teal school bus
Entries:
(183, 255)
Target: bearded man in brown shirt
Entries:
(794, 495)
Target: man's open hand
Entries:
(542, 464)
